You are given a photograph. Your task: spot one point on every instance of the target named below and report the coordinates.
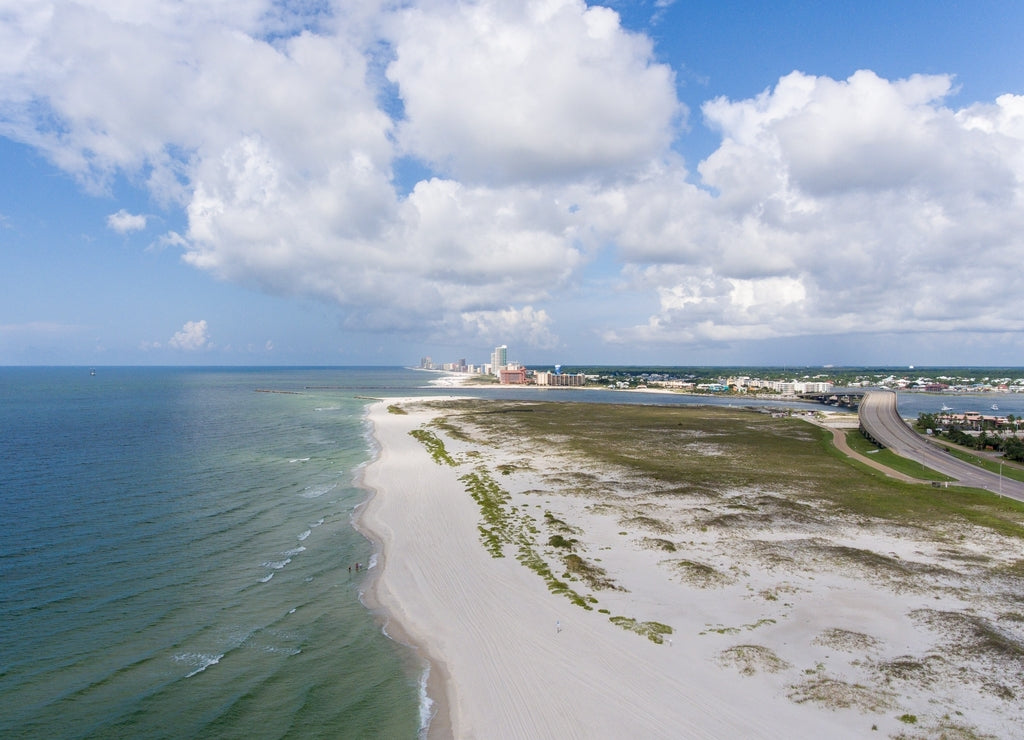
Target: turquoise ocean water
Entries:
(175, 549)
(174, 556)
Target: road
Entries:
(881, 419)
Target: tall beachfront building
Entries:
(499, 358)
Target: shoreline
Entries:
(435, 703)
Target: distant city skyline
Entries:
(651, 182)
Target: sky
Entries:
(361, 182)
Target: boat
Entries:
(946, 408)
(994, 407)
(92, 371)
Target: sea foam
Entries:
(318, 491)
(426, 703)
(200, 661)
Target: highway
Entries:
(880, 418)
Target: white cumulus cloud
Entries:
(123, 222)
(193, 336)
(529, 91)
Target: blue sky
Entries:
(369, 182)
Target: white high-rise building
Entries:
(499, 358)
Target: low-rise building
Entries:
(544, 377)
(512, 375)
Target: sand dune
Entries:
(751, 655)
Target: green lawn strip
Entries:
(886, 498)
(910, 503)
(859, 443)
(1009, 470)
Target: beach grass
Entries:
(435, 446)
(748, 470)
(751, 510)
(653, 631)
(752, 450)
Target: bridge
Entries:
(881, 423)
(848, 397)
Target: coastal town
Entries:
(762, 380)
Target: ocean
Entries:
(175, 550)
(176, 546)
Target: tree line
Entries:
(988, 438)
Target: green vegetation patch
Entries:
(846, 640)
(835, 694)
(698, 574)
(919, 671)
(720, 629)
(497, 530)
(752, 659)
(505, 525)
(593, 575)
(653, 631)
(434, 445)
(532, 560)
(649, 523)
(395, 409)
(1007, 470)
(884, 456)
(558, 525)
(972, 634)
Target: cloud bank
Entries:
(544, 132)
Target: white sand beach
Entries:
(758, 655)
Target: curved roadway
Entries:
(880, 418)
